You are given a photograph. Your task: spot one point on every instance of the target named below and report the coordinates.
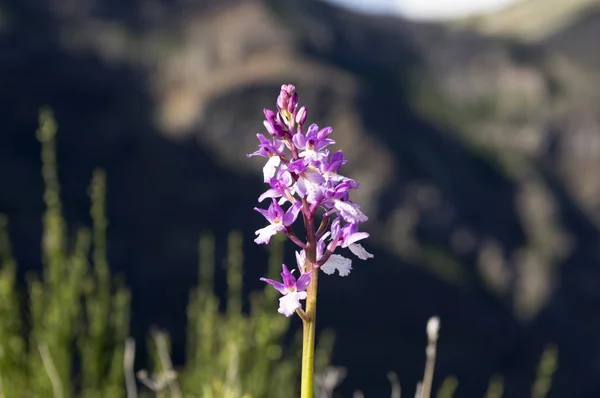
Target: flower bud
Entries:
(289, 89)
(269, 114)
(292, 103)
(282, 100)
(287, 99)
(282, 122)
(273, 128)
(301, 116)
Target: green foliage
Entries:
(71, 312)
(496, 387)
(547, 367)
(448, 387)
(105, 325)
(232, 353)
(67, 336)
(12, 344)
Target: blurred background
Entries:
(473, 128)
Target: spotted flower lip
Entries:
(334, 262)
(292, 289)
(278, 219)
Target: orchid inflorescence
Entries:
(306, 176)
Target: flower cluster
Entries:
(303, 174)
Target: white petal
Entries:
(309, 154)
(271, 167)
(312, 155)
(359, 251)
(300, 258)
(264, 234)
(313, 191)
(290, 302)
(299, 187)
(336, 262)
(350, 211)
(331, 176)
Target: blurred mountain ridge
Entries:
(477, 154)
(529, 20)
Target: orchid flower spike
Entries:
(303, 174)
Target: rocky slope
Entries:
(477, 154)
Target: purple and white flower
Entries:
(347, 236)
(279, 188)
(329, 167)
(335, 262)
(313, 143)
(307, 176)
(293, 290)
(278, 219)
(272, 151)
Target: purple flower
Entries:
(278, 219)
(329, 167)
(335, 198)
(347, 236)
(293, 290)
(340, 191)
(272, 151)
(309, 182)
(310, 185)
(307, 175)
(266, 148)
(279, 187)
(335, 262)
(301, 170)
(313, 143)
(296, 167)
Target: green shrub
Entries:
(67, 336)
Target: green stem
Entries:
(309, 324)
(308, 341)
